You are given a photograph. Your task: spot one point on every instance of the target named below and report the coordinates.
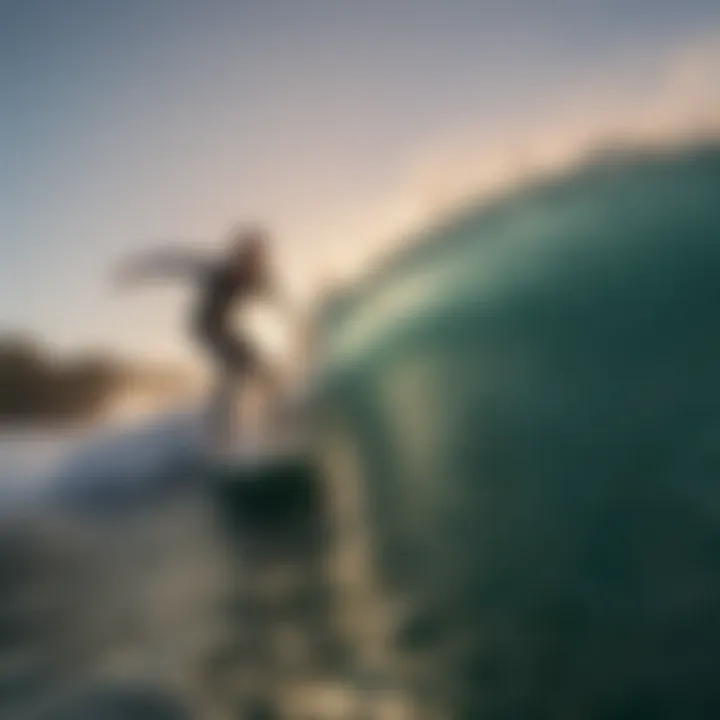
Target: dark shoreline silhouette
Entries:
(38, 385)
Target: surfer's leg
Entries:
(251, 367)
(279, 415)
(221, 421)
(240, 364)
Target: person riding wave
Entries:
(242, 274)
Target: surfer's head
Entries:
(249, 246)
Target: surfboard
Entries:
(266, 477)
(265, 489)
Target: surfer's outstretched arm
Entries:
(161, 264)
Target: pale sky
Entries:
(336, 123)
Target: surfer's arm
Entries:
(161, 264)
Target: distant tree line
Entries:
(36, 384)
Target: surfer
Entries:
(241, 274)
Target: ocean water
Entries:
(133, 589)
(108, 569)
(531, 398)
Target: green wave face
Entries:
(535, 394)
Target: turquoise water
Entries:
(532, 401)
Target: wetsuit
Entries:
(224, 287)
